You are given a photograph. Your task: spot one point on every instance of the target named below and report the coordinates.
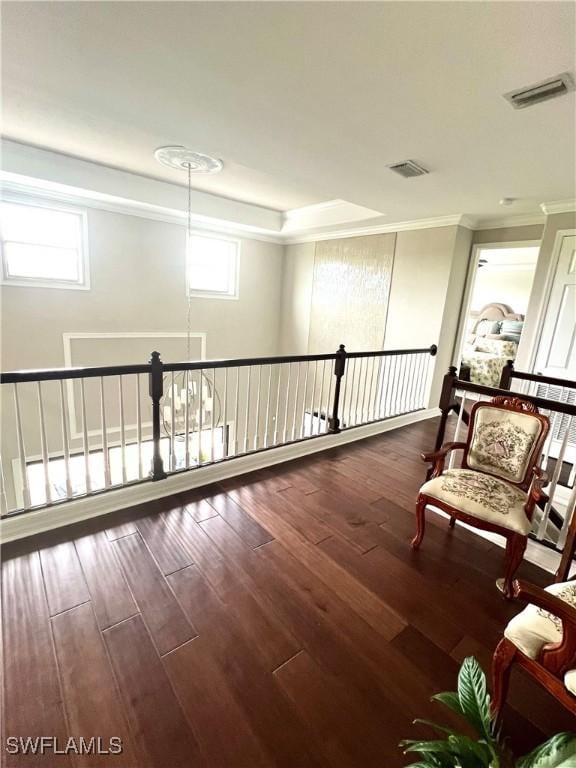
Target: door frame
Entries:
(469, 286)
(546, 294)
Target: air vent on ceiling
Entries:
(408, 169)
(547, 89)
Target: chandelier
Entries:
(191, 400)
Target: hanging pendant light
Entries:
(189, 400)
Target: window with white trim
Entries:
(43, 245)
(212, 266)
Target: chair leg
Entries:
(502, 661)
(452, 522)
(515, 548)
(420, 522)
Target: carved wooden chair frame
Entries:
(553, 661)
(532, 482)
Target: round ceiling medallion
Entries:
(183, 159)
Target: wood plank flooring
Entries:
(278, 619)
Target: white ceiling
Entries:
(304, 102)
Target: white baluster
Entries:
(105, 452)
(456, 436)
(44, 445)
(21, 451)
(122, 429)
(554, 482)
(257, 430)
(201, 414)
(267, 417)
(86, 445)
(139, 427)
(287, 403)
(247, 419)
(65, 440)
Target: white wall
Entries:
(504, 286)
(137, 275)
(138, 284)
(297, 282)
(427, 283)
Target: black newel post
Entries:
(156, 388)
(506, 376)
(339, 368)
(446, 404)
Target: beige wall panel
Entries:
(350, 293)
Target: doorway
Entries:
(497, 301)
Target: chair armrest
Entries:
(555, 657)
(545, 600)
(437, 458)
(536, 493)
(539, 482)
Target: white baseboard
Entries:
(66, 513)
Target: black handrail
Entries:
(509, 373)
(156, 369)
(452, 383)
(539, 402)
(57, 374)
(61, 374)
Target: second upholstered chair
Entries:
(499, 481)
(542, 640)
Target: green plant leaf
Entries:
(436, 745)
(429, 759)
(449, 700)
(473, 696)
(471, 754)
(423, 765)
(557, 752)
(434, 726)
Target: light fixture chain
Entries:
(188, 236)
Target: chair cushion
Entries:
(502, 442)
(534, 627)
(483, 496)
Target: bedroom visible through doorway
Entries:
(500, 289)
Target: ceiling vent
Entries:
(547, 89)
(408, 169)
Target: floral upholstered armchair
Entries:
(542, 640)
(499, 481)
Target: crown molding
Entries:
(559, 206)
(18, 187)
(379, 229)
(502, 222)
(326, 214)
(107, 184)
(33, 172)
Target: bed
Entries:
(492, 339)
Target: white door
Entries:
(557, 350)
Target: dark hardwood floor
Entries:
(279, 619)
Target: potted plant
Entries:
(488, 749)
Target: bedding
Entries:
(486, 358)
(492, 337)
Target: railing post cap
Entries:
(453, 370)
(341, 348)
(155, 357)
